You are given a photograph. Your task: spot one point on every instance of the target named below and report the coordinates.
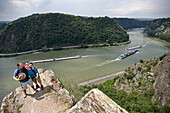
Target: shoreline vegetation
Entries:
(45, 49)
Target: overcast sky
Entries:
(14, 9)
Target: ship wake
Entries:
(108, 62)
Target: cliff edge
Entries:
(162, 82)
(52, 99)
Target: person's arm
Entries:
(15, 78)
(15, 74)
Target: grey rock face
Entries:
(162, 82)
(96, 101)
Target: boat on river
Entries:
(132, 48)
(56, 59)
(122, 56)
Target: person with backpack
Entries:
(33, 73)
(20, 74)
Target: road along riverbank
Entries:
(100, 79)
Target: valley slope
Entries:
(159, 28)
(55, 30)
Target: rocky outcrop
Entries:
(52, 99)
(162, 82)
(96, 101)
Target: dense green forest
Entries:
(54, 29)
(128, 23)
(159, 28)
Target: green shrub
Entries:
(148, 67)
(139, 69)
(156, 102)
(162, 56)
(129, 76)
(144, 71)
(141, 61)
(133, 81)
(154, 63)
(139, 83)
(123, 82)
(150, 93)
(165, 109)
(152, 81)
(148, 75)
(128, 68)
(155, 74)
(125, 75)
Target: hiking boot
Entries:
(35, 90)
(25, 96)
(42, 87)
(37, 86)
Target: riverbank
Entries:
(19, 53)
(64, 48)
(100, 79)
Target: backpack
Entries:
(33, 70)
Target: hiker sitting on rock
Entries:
(33, 73)
(20, 74)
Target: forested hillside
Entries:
(54, 29)
(159, 28)
(128, 23)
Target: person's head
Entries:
(26, 67)
(29, 64)
(20, 65)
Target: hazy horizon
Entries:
(13, 9)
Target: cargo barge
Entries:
(136, 47)
(56, 59)
(122, 56)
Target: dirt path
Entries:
(101, 79)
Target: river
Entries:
(96, 62)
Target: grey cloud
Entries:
(13, 9)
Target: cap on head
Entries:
(29, 63)
(25, 66)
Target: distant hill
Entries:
(159, 28)
(54, 29)
(3, 24)
(128, 23)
